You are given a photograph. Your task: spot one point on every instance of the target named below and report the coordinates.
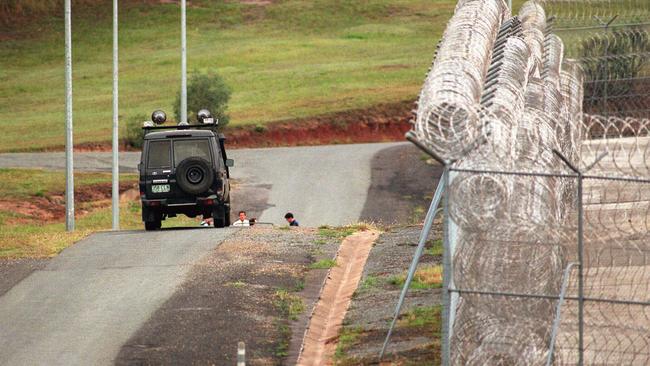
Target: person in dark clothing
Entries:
(291, 220)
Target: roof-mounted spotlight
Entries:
(205, 117)
(158, 117)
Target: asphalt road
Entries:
(321, 185)
(82, 307)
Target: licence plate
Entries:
(160, 188)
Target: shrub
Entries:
(611, 62)
(205, 91)
(133, 133)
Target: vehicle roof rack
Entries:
(212, 127)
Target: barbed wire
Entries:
(540, 181)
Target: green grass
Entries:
(282, 346)
(286, 60)
(434, 247)
(369, 282)
(339, 232)
(348, 337)
(290, 305)
(237, 284)
(24, 183)
(427, 277)
(48, 239)
(323, 264)
(422, 317)
(25, 236)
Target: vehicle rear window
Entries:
(184, 149)
(159, 156)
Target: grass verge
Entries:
(26, 232)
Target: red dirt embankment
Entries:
(51, 206)
(384, 122)
(380, 123)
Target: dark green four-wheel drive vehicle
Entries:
(184, 170)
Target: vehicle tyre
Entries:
(152, 225)
(194, 176)
(219, 216)
(227, 216)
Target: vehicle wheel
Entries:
(152, 225)
(227, 216)
(219, 216)
(194, 176)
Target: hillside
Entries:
(283, 60)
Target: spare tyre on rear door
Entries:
(194, 175)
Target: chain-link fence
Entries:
(611, 39)
(546, 206)
(517, 234)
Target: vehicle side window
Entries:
(184, 149)
(159, 154)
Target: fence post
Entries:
(241, 354)
(580, 273)
(558, 313)
(447, 272)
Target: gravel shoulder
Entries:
(256, 287)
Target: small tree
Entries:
(205, 91)
(134, 134)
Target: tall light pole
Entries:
(69, 168)
(116, 167)
(183, 62)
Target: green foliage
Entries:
(340, 232)
(611, 61)
(427, 277)
(434, 247)
(323, 264)
(423, 317)
(134, 134)
(289, 305)
(348, 338)
(207, 91)
(282, 348)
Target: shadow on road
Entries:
(402, 186)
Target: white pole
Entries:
(69, 168)
(183, 62)
(116, 167)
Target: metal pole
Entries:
(241, 354)
(183, 62)
(428, 223)
(558, 313)
(581, 300)
(510, 6)
(69, 167)
(116, 167)
(447, 273)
